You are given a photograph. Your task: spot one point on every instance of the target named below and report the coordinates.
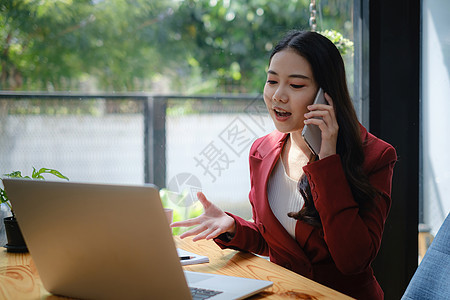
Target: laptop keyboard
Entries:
(199, 294)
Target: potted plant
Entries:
(14, 236)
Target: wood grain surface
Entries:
(19, 278)
(287, 284)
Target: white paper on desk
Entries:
(197, 259)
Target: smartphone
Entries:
(312, 133)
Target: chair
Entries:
(432, 277)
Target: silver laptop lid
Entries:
(67, 227)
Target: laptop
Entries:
(101, 241)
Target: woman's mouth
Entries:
(281, 114)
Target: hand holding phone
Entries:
(312, 133)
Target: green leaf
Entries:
(4, 198)
(35, 174)
(38, 175)
(15, 174)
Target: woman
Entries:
(323, 215)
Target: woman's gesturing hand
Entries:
(324, 116)
(211, 223)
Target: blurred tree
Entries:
(38, 44)
(230, 40)
(116, 45)
(54, 45)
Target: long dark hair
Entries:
(329, 72)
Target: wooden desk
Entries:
(19, 278)
(286, 284)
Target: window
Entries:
(435, 199)
(106, 62)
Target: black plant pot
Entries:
(16, 243)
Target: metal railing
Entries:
(154, 115)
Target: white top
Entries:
(284, 197)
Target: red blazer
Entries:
(339, 254)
